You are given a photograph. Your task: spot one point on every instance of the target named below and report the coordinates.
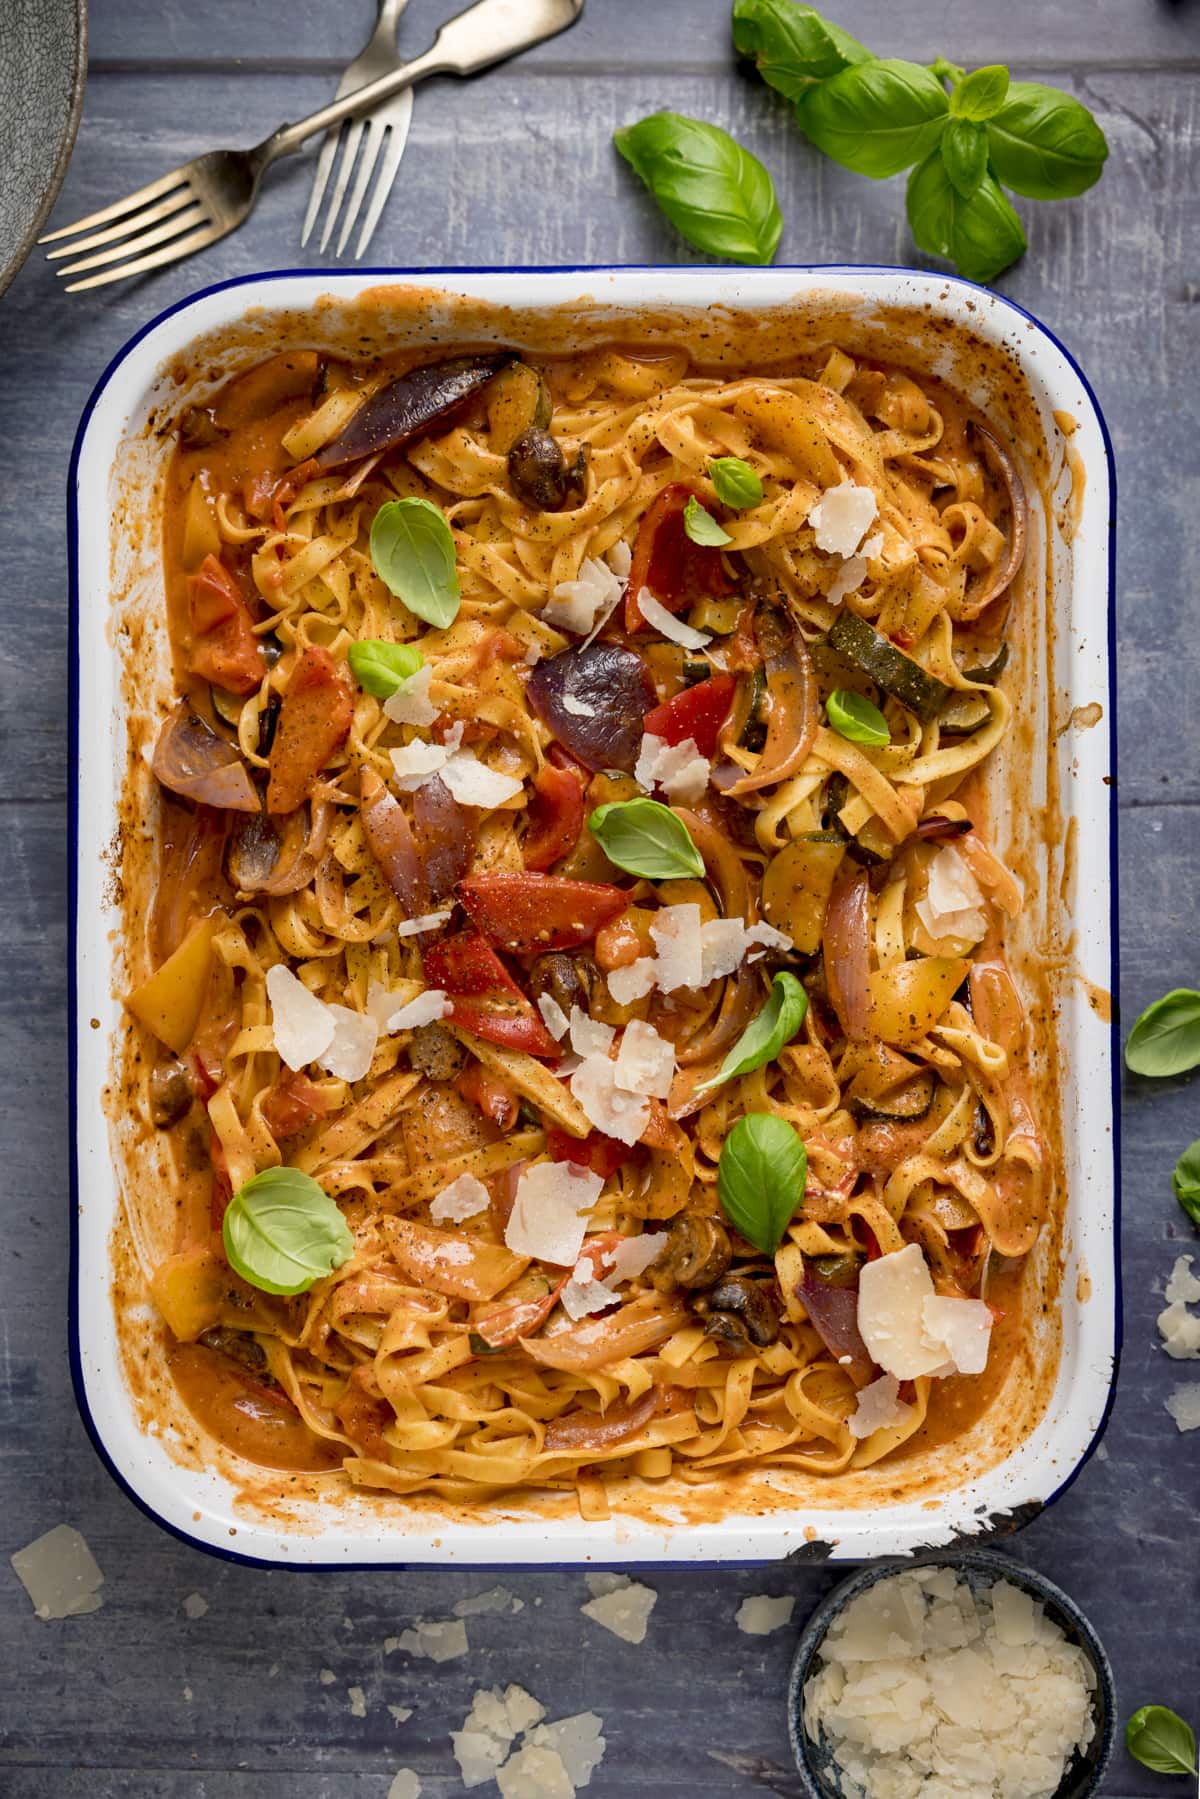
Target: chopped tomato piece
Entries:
(292, 1103)
(363, 1415)
(677, 571)
(698, 712)
(498, 646)
(287, 487)
(518, 1313)
(555, 817)
(224, 648)
(486, 999)
(494, 1097)
(603, 1155)
(533, 912)
(314, 721)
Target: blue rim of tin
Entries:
(1083, 1773)
(78, 1382)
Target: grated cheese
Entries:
(678, 768)
(668, 626)
(300, 1023)
(623, 1607)
(435, 1640)
(1184, 1406)
(411, 704)
(759, 1615)
(550, 1211)
(1178, 1327)
(879, 1407)
(60, 1574)
(465, 1197)
(927, 1688)
(842, 516)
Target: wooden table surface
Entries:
(141, 1701)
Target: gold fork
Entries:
(204, 200)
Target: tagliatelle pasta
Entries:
(389, 952)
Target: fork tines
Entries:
(158, 224)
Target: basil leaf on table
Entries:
(282, 1232)
(792, 45)
(646, 839)
(877, 117)
(381, 668)
(766, 1035)
(1045, 143)
(964, 151)
(980, 236)
(702, 527)
(412, 548)
(1186, 1181)
(1160, 1739)
(761, 1177)
(853, 717)
(736, 483)
(981, 93)
(1165, 1040)
(718, 196)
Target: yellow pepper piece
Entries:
(908, 999)
(189, 1290)
(169, 1002)
(201, 536)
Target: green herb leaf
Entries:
(1165, 1040)
(646, 839)
(980, 236)
(964, 150)
(381, 668)
(876, 117)
(761, 1178)
(853, 716)
(1186, 1181)
(715, 193)
(702, 527)
(765, 1036)
(736, 483)
(282, 1232)
(412, 548)
(1160, 1739)
(1045, 143)
(792, 44)
(981, 93)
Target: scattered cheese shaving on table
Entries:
(1178, 1327)
(436, 1640)
(60, 1574)
(405, 1785)
(761, 1614)
(624, 1608)
(1184, 1406)
(494, 1602)
(195, 1605)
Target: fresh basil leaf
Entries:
(282, 1232)
(765, 1036)
(1045, 143)
(964, 151)
(702, 527)
(736, 483)
(412, 548)
(761, 1177)
(718, 196)
(981, 93)
(980, 236)
(381, 668)
(1186, 1181)
(876, 117)
(792, 45)
(1165, 1040)
(853, 716)
(1160, 1739)
(646, 839)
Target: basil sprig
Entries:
(646, 839)
(1160, 1739)
(282, 1232)
(853, 717)
(761, 1177)
(964, 136)
(412, 548)
(1165, 1040)
(702, 527)
(765, 1036)
(717, 196)
(1186, 1181)
(382, 668)
(736, 483)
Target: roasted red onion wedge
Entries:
(411, 406)
(199, 764)
(610, 691)
(445, 835)
(833, 1314)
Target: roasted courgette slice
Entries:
(990, 672)
(965, 713)
(897, 674)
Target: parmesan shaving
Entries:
(535, 1773)
(953, 904)
(645, 1061)
(759, 1615)
(1177, 1326)
(553, 1016)
(473, 783)
(581, 605)
(909, 1330)
(549, 1214)
(632, 983)
(588, 1036)
(493, 1603)
(842, 516)
(429, 921)
(1184, 1406)
(678, 768)
(405, 1785)
(668, 626)
(352, 1050)
(577, 1741)
(577, 708)
(411, 704)
(465, 1197)
(60, 1574)
(879, 1408)
(435, 1640)
(303, 1025)
(427, 1008)
(416, 763)
(624, 1608)
(676, 934)
(611, 1110)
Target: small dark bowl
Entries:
(818, 1771)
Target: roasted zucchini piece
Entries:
(965, 713)
(890, 669)
(990, 672)
(518, 400)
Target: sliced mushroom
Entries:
(696, 1253)
(540, 474)
(436, 1053)
(239, 1346)
(567, 980)
(170, 1092)
(739, 1311)
(262, 860)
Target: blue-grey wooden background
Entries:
(137, 1700)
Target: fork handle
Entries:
(484, 34)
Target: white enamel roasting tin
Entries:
(198, 1499)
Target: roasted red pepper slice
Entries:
(698, 712)
(603, 1155)
(555, 817)
(224, 648)
(486, 999)
(492, 1096)
(677, 571)
(314, 721)
(528, 913)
